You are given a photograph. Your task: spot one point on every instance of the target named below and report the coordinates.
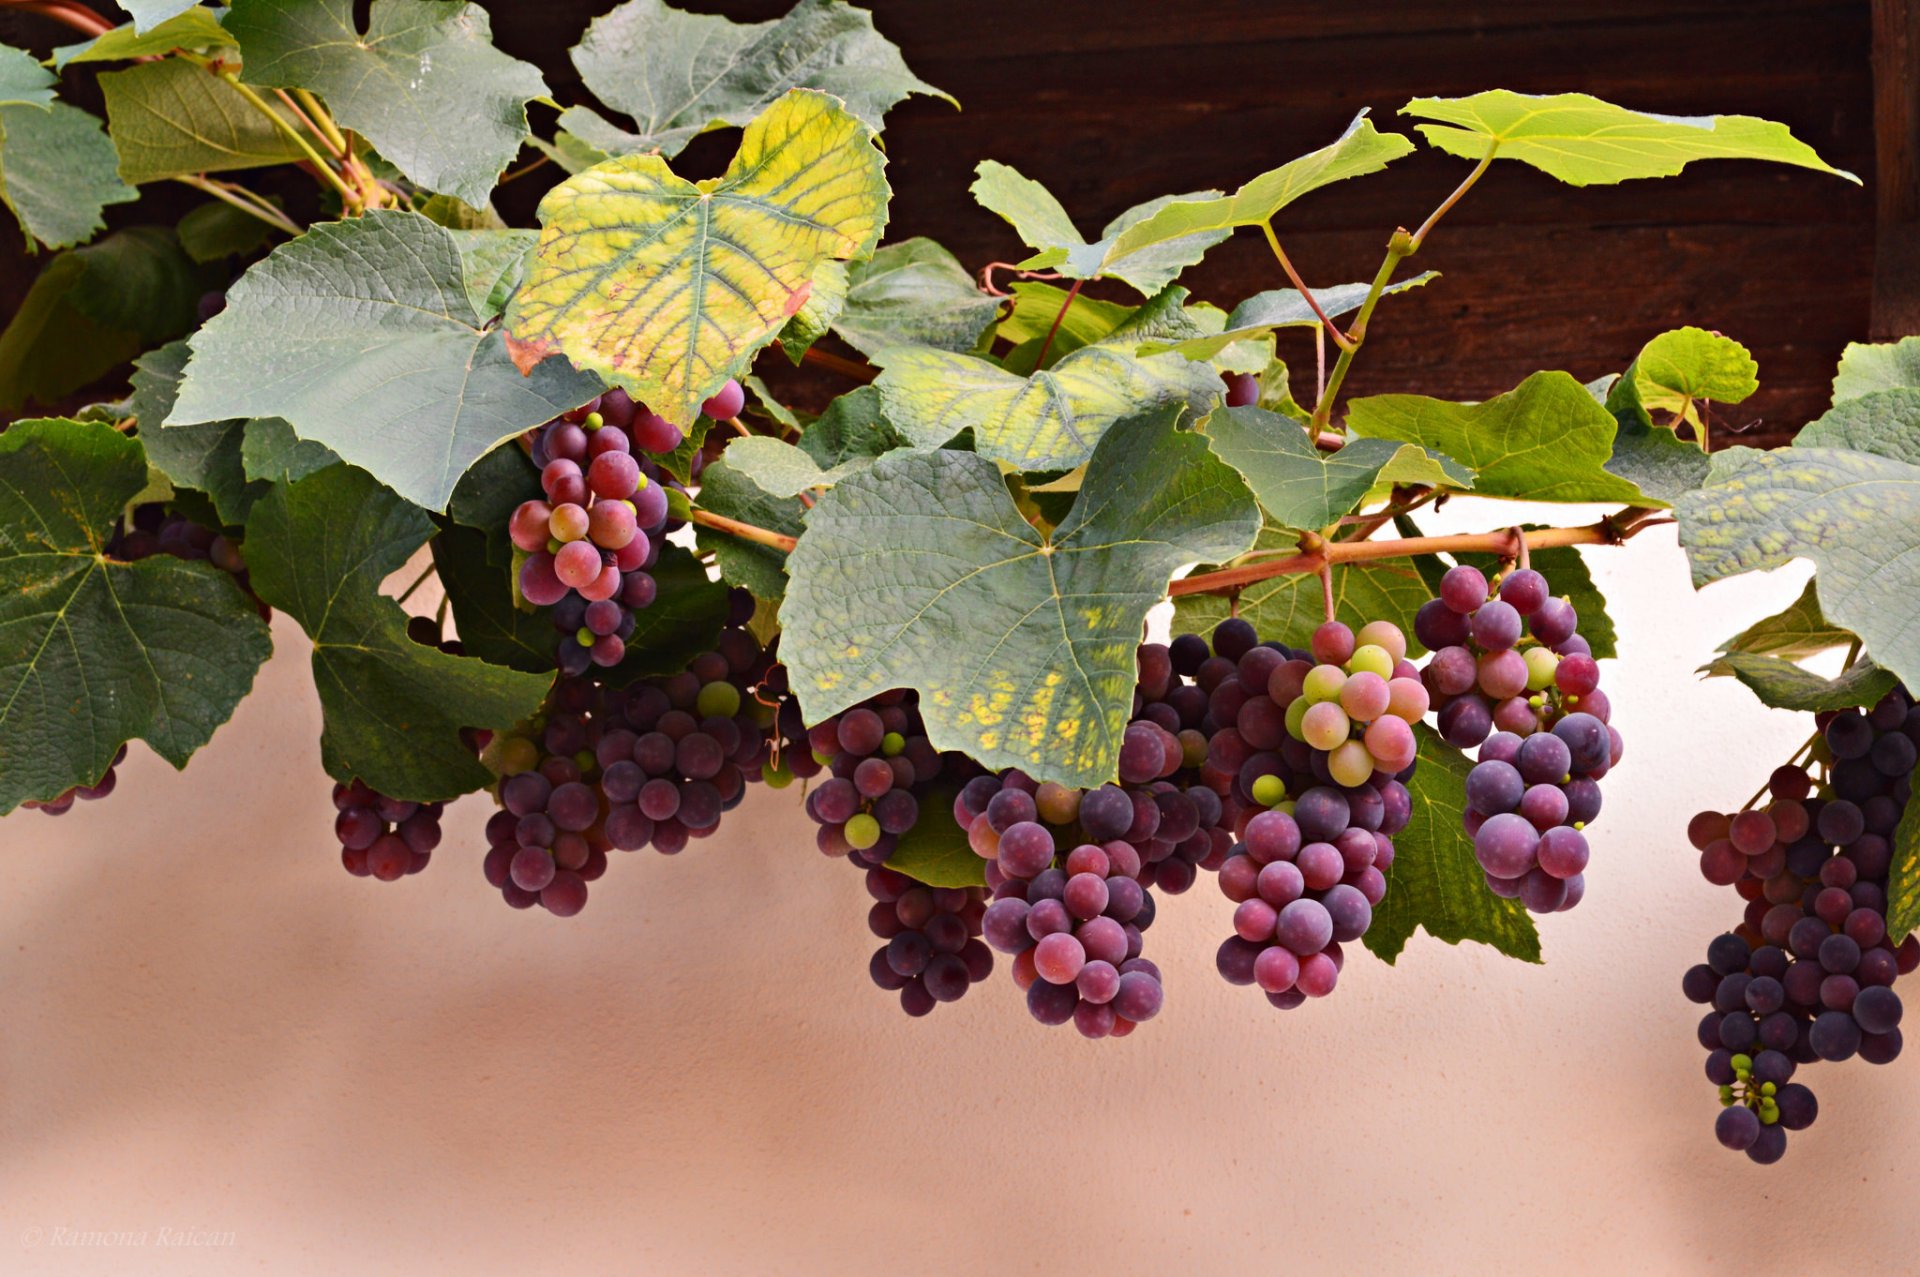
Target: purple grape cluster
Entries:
(381, 837)
(548, 840)
(1511, 674)
(877, 765)
(931, 950)
(1808, 974)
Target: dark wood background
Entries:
(1114, 101)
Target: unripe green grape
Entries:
(1268, 790)
(592, 421)
(1541, 662)
(775, 777)
(1325, 726)
(862, 831)
(1297, 715)
(1383, 634)
(585, 636)
(1372, 659)
(1350, 764)
(718, 700)
(1323, 683)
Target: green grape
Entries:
(892, 743)
(718, 700)
(1296, 715)
(1268, 790)
(862, 831)
(1350, 764)
(1372, 659)
(1323, 683)
(1541, 662)
(775, 777)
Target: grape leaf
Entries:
(197, 29)
(148, 14)
(1084, 320)
(680, 74)
(648, 279)
(1288, 608)
(1021, 645)
(493, 263)
(493, 488)
(1544, 440)
(935, 851)
(205, 457)
(1434, 882)
(1856, 515)
(95, 652)
(1781, 684)
(1302, 487)
(1797, 632)
(1583, 141)
(1865, 368)
(1265, 313)
(1053, 419)
(1903, 879)
(271, 451)
(172, 118)
(854, 425)
(826, 296)
(57, 172)
(23, 81)
(1652, 458)
(364, 337)
(728, 491)
(424, 84)
(1043, 225)
(682, 622)
(214, 232)
(1884, 421)
(780, 469)
(318, 550)
(1358, 151)
(476, 570)
(916, 293)
(1677, 369)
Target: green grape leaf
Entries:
(854, 425)
(424, 84)
(726, 490)
(493, 488)
(1856, 515)
(1584, 142)
(476, 570)
(1781, 684)
(1358, 151)
(23, 81)
(760, 398)
(270, 451)
(1021, 645)
(1652, 458)
(214, 232)
(95, 652)
(682, 622)
(1053, 419)
(1544, 440)
(935, 851)
(680, 74)
(780, 469)
(1268, 312)
(1886, 422)
(1797, 632)
(205, 457)
(1084, 320)
(1676, 370)
(57, 172)
(363, 336)
(1036, 216)
(148, 14)
(1289, 608)
(825, 299)
(1434, 882)
(93, 308)
(1903, 879)
(648, 279)
(914, 293)
(1865, 368)
(493, 263)
(196, 29)
(318, 550)
(1302, 487)
(172, 118)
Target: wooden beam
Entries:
(1896, 126)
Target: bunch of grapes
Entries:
(878, 764)
(930, 951)
(1511, 674)
(1312, 750)
(382, 837)
(1809, 973)
(549, 840)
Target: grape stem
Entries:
(1326, 590)
(74, 15)
(418, 581)
(745, 531)
(1316, 551)
(1065, 306)
(244, 200)
(1331, 329)
(350, 197)
(853, 368)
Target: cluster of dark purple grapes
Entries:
(382, 837)
(591, 542)
(878, 764)
(1808, 974)
(930, 948)
(1536, 711)
(1315, 821)
(549, 838)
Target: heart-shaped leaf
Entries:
(1020, 644)
(1544, 440)
(679, 74)
(1356, 152)
(935, 851)
(1584, 142)
(913, 293)
(655, 283)
(424, 83)
(95, 652)
(318, 550)
(363, 335)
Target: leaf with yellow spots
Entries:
(668, 287)
(94, 651)
(921, 573)
(1855, 514)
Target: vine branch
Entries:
(1340, 339)
(853, 368)
(745, 531)
(244, 200)
(74, 15)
